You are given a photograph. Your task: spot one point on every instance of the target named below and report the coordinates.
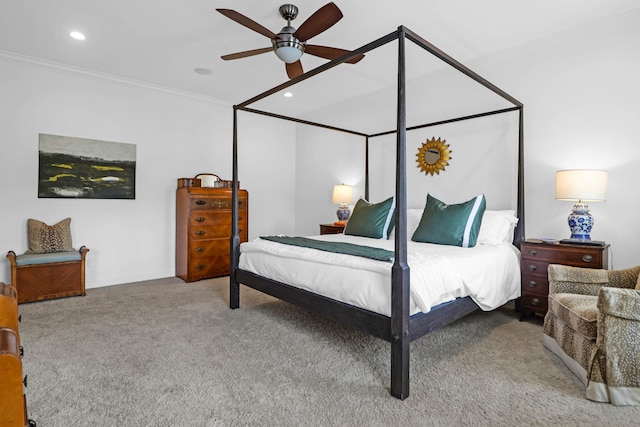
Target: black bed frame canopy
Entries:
(400, 328)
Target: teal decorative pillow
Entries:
(44, 239)
(456, 225)
(372, 220)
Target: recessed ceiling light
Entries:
(77, 35)
(288, 94)
(203, 71)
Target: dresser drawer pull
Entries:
(535, 301)
(533, 267)
(532, 283)
(199, 267)
(587, 258)
(24, 380)
(220, 204)
(533, 252)
(200, 219)
(200, 202)
(199, 250)
(200, 233)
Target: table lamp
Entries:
(342, 195)
(581, 186)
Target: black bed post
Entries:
(400, 270)
(234, 287)
(520, 212)
(366, 169)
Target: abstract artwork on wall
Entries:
(85, 168)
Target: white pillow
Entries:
(497, 227)
(413, 220)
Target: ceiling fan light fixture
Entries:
(288, 48)
(288, 54)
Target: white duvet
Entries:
(489, 275)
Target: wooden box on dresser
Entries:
(536, 255)
(203, 231)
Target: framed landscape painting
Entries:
(85, 168)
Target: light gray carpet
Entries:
(167, 353)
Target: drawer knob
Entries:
(535, 301)
(532, 283)
(200, 202)
(587, 258)
(200, 219)
(199, 267)
(533, 267)
(533, 252)
(199, 250)
(200, 233)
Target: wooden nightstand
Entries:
(331, 228)
(536, 256)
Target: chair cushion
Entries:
(29, 259)
(580, 312)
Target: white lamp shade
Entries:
(584, 185)
(342, 194)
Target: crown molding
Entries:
(51, 65)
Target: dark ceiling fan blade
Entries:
(294, 69)
(243, 20)
(246, 53)
(322, 19)
(330, 52)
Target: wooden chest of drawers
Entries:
(535, 259)
(203, 231)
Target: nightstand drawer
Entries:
(535, 302)
(533, 284)
(570, 256)
(534, 266)
(331, 228)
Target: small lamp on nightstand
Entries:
(581, 186)
(342, 195)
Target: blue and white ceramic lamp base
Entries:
(580, 222)
(343, 213)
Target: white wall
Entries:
(175, 135)
(580, 90)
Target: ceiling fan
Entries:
(290, 43)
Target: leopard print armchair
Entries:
(593, 325)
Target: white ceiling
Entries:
(161, 42)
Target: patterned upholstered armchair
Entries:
(593, 325)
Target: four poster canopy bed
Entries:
(384, 296)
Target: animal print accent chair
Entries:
(593, 325)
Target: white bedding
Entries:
(490, 275)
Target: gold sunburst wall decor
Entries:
(433, 156)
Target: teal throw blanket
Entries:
(335, 247)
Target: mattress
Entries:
(490, 275)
